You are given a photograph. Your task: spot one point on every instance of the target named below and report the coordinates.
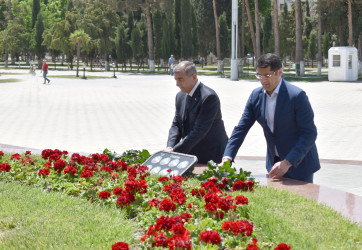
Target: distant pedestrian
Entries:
(45, 71)
(171, 64)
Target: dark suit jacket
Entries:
(294, 130)
(201, 131)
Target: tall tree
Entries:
(224, 36)
(186, 31)
(79, 38)
(38, 46)
(350, 32)
(36, 10)
(177, 21)
(251, 26)
(276, 27)
(151, 56)
(319, 35)
(298, 43)
(157, 30)
(121, 44)
(257, 30)
(137, 45)
(195, 42)
(242, 28)
(312, 45)
(217, 33)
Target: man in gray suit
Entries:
(286, 116)
(197, 128)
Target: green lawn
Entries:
(34, 219)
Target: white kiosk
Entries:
(342, 64)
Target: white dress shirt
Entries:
(270, 104)
(194, 88)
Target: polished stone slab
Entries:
(348, 204)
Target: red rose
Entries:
(253, 246)
(104, 195)
(120, 246)
(87, 174)
(70, 170)
(15, 156)
(212, 237)
(154, 202)
(106, 169)
(125, 199)
(213, 179)
(43, 172)
(27, 152)
(244, 227)
(241, 200)
(238, 185)
(282, 246)
(169, 170)
(178, 196)
(160, 240)
(1, 153)
(167, 205)
(118, 191)
(5, 167)
(163, 179)
(59, 165)
(210, 207)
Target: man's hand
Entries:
(279, 169)
(224, 160)
(168, 149)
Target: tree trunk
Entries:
(257, 29)
(242, 46)
(218, 50)
(252, 34)
(276, 27)
(151, 57)
(350, 36)
(299, 43)
(78, 55)
(319, 56)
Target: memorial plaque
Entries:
(180, 164)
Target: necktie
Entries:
(188, 104)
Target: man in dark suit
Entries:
(287, 118)
(197, 128)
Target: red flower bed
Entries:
(174, 213)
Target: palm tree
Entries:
(276, 27)
(298, 43)
(79, 37)
(218, 50)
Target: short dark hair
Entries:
(271, 60)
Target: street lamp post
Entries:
(84, 72)
(114, 70)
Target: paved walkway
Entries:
(135, 111)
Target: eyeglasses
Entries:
(259, 76)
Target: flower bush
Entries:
(174, 212)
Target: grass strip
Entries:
(282, 216)
(34, 219)
(10, 80)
